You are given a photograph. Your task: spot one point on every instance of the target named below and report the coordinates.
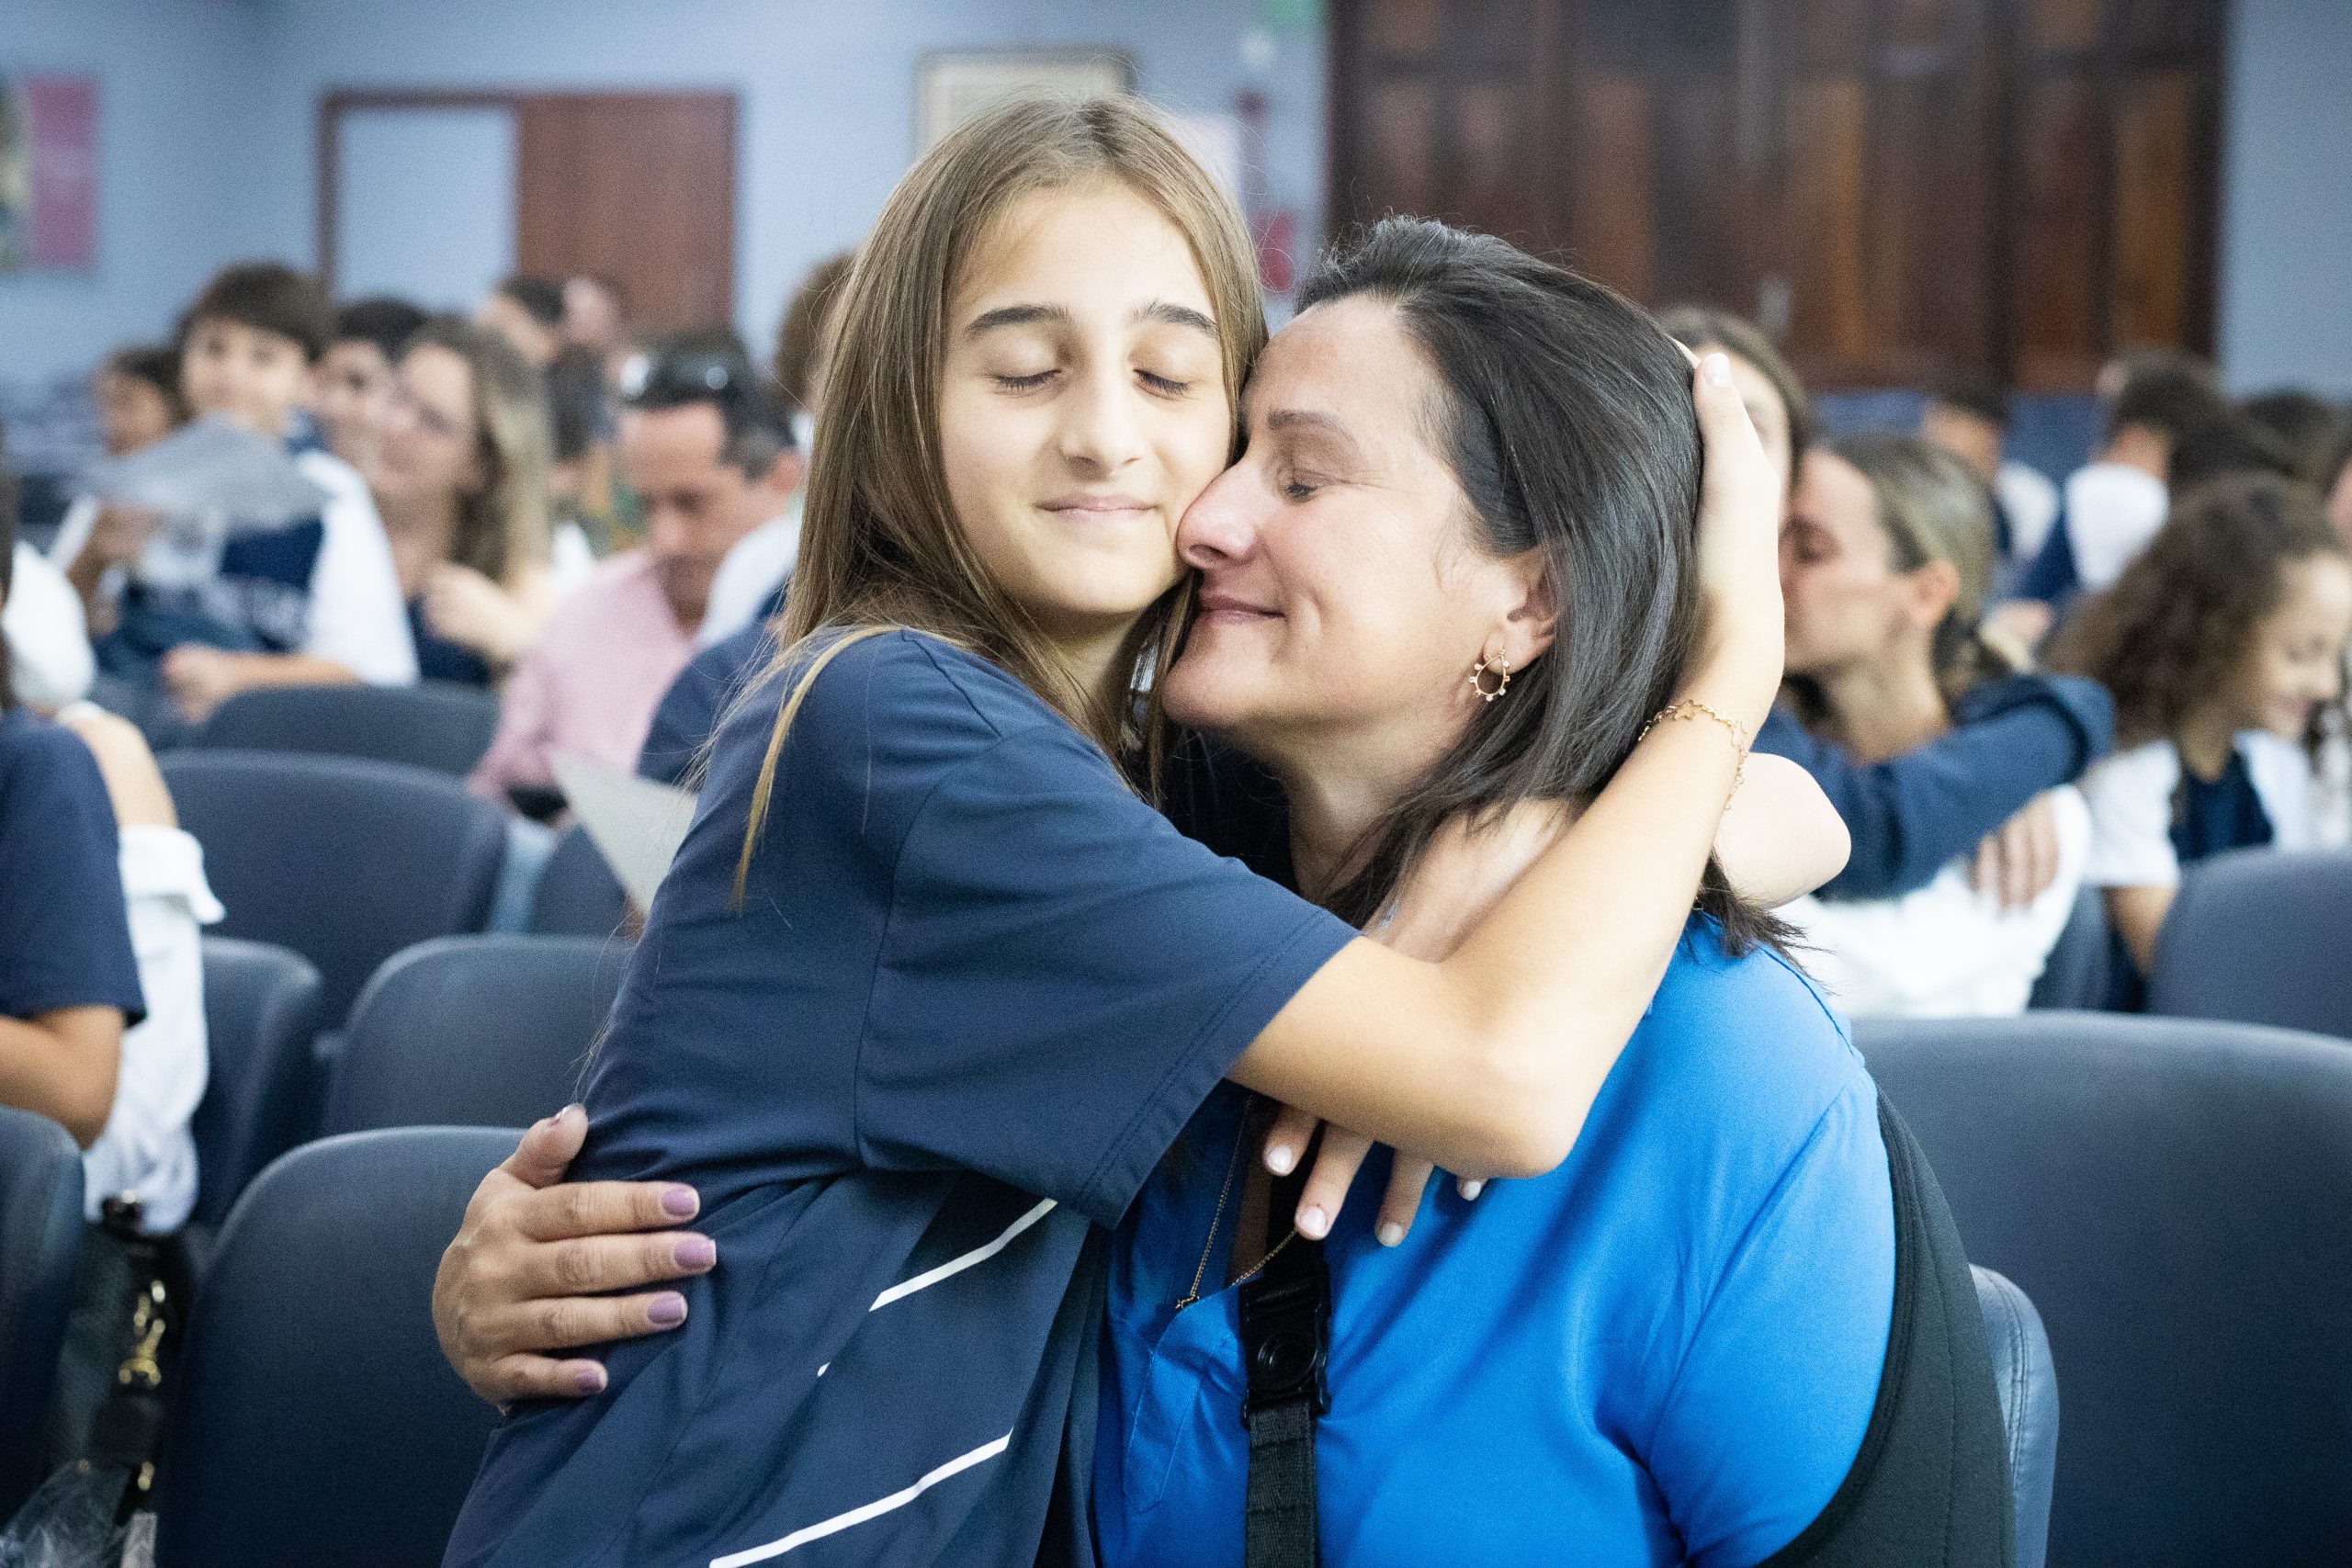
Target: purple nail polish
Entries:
(589, 1380)
(681, 1202)
(697, 1252)
(666, 1310)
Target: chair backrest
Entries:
(578, 894)
(316, 1421)
(40, 1247)
(2028, 1382)
(2172, 1196)
(2260, 937)
(345, 862)
(2075, 975)
(261, 1012)
(473, 1031)
(433, 725)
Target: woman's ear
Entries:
(1531, 622)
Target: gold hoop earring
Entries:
(1500, 669)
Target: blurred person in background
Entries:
(2308, 428)
(528, 312)
(756, 571)
(314, 599)
(580, 483)
(2338, 490)
(460, 477)
(1968, 414)
(354, 387)
(2223, 644)
(43, 638)
(2112, 506)
(137, 392)
(701, 448)
(596, 313)
(1978, 788)
(1883, 568)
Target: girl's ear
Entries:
(1533, 620)
(1929, 593)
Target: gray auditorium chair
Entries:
(2028, 1382)
(2172, 1195)
(473, 1031)
(433, 724)
(315, 1421)
(2260, 937)
(40, 1247)
(261, 1012)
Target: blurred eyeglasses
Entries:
(659, 378)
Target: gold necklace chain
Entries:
(1200, 1272)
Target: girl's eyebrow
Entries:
(1057, 315)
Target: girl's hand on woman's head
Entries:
(1740, 555)
(529, 1270)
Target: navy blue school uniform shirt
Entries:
(688, 713)
(64, 934)
(1911, 816)
(973, 990)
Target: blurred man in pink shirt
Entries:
(709, 461)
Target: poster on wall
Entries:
(952, 88)
(48, 173)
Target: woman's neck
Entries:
(1879, 710)
(2205, 739)
(423, 529)
(1337, 791)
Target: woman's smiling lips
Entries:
(1223, 609)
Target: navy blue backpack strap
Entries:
(1285, 1336)
(1930, 1485)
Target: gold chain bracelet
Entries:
(1692, 707)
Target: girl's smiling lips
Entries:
(1082, 503)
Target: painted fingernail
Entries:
(1279, 1160)
(571, 1114)
(1313, 1224)
(1473, 1187)
(1391, 1234)
(1716, 367)
(589, 1380)
(697, 1252)
(681, 1202)
(666, 1309)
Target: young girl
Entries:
(1884, 567)
(931, 1022)
(1979, 787)
(2222, 643)
(461, 477)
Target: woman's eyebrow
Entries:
(1308, 421)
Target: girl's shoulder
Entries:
(879, 679)
(35, 751)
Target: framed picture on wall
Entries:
(952, 88)
(48, 173)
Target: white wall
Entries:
(2286, 256)
(208, 116)
(175, 80)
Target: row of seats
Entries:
(2168, 1193)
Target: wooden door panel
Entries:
(2153, 177)
(1614, 230)
(637, 187)
(2058, 252)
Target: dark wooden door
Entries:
(1889, 186)
(636, 187)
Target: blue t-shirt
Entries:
(689, 711)
(64, 935)
(1666, 1350)
(976, 989)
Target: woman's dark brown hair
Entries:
(2175, 627)
(1565, 414)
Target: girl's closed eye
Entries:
(1028, 381)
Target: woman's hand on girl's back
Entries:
(529, 1270)
(1739, 554)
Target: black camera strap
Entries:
(1285, 1333)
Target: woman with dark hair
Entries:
(1884, 567)
(920, 1032)
(2223, 644)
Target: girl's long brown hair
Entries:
(881, 547)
